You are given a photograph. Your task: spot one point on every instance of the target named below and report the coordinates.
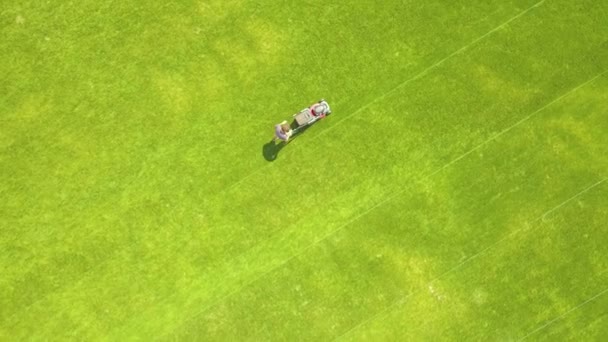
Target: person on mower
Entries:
(282, 131)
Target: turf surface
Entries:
(458, 192)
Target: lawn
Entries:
(459, 190)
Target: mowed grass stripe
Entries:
(584, 103)
(130, 192)
(592, 66)
(472, 299)
(397, 304)
(376, 99)
(597, 76)
(380, 97)
(494, 137)
(546, 325)
(45, 187)
(348, 74)
(580, 323)
(219, 239)
(473, 246)
(430, 68)
(391, 196)
(134, 189)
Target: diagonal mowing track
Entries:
(396, 194)
(397, 303)
(399, 86)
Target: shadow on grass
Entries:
(270, 150)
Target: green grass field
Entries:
(459, 190)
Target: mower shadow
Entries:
(270, 150)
